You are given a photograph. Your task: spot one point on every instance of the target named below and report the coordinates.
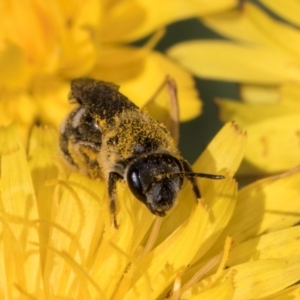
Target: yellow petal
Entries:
(42, 153)
(54, 38)
(258, 279)
(170, 11)
(279, 34)
(272, 127)
(227, 61)
(290, 95)
(14, 70)
(142, 220)
(277, 100)
(51, 95)
(119, 19)
(247, 114)
(118, 246)
(83, 242)
(160, 266)
(260, 94)
(290, 10)
(225, 151)
(273, 148)
(76, 63)
(292, 292)
(234, 24)
(35, 35)
(20, 108)
(112, 256)
(20, 267)
(277, 244)
(78, 53)
(141, 88)
(257, 27)
(223, 290)
(220, 291)
(119, 63)
(73, 231)
(261, 207)
(220, 198)
(265, 277)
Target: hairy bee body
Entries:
(99, 136)
(107, 136)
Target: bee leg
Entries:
(193, 180)
(174, 109)
(112, 188)
(169, 116)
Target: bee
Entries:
(107, 136)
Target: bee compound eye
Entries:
(135, 185)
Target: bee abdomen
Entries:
(80, 141)
(63, 144)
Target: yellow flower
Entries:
(262, 54)
(58, 241)
(57, 238)
(45, 45)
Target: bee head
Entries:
(150, 180)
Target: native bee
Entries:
(107, 136)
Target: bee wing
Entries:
(163, 106)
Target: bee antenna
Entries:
(183, 174)
(190, 175)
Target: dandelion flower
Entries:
(45, 45)
(260, 52)
(57, 235)
(58, 240)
